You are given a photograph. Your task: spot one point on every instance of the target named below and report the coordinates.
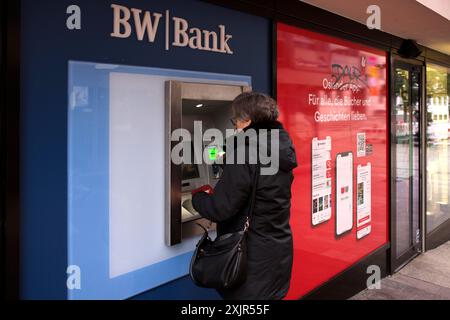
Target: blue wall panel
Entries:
(47, 47)
(180, 289)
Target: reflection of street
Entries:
(438, 177)
(406, 203)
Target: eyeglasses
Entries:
(233, 121)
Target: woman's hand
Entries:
(206, 188)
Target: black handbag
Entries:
(222, 263)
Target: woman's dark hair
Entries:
(254, 106)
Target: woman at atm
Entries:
(270, 247)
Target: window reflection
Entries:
(438, 176)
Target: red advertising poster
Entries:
(333, 101)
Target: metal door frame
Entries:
(398, 263)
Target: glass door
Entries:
(406, 164)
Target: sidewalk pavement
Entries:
(427, 277)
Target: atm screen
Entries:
(190, 171)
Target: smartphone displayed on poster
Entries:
(320, 180)
(344, 193)
(363, 200)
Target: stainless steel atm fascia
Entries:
(176, 92)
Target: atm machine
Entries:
(186, 103)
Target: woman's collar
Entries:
(265, 125)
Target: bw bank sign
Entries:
(147, 26)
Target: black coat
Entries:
(270, 247)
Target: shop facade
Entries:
(87, 99)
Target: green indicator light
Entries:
(213, 154)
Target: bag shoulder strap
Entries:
(252, 198)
